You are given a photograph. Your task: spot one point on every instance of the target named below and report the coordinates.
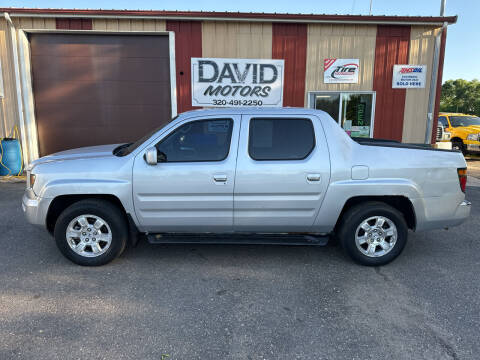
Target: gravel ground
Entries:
(238, 302)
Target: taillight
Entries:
(462, 178)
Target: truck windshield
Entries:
(457, 121)
(126, 149)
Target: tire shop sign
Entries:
(237, 82)
(409, 76)
(340, 71)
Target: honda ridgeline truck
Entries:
(282, 176)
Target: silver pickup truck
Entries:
(278, 176)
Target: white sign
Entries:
(340, 71)
(409, 76)
(237, 82)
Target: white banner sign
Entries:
(409, 76)
(340, 71)
(237, 82)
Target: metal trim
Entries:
(95, 32)
(239, 19)
(2, 89)
(173, 75)
(433, 85)
(27, 95)
(229, 16)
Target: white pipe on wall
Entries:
(18, 86)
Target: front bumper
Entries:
(35, 208)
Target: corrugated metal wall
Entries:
(290, 43)
(391, 48)
(340, 41)
(223, 39)
(129, 25)
(8, 108)
(34, 23)
(188, 44)
(74, 24)
(422, 45)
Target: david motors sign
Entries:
(340, 71)
(237, 82)
(409, 76)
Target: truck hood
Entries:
(472, 129)
(74, 154)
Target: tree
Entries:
(461, 96)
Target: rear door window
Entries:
(280, 139)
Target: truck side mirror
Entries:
(151, 156)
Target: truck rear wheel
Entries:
(373, 233)
(91, 232)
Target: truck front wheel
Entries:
(458, 145)
(91, 232)
(373, 233)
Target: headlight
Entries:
(31, 180)
(473, 137)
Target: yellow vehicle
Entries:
(464, 131)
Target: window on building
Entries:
(203, 140)
(280, 139)
(352, 110)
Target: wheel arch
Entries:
(61, 202)
(401, 203)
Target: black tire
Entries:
(458, 145)
(107, 211)
(354, 217)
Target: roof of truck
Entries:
(254, 111)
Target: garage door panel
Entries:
(99, 45)
(133, 116)
(92, 90)
(96, 127)
(106, 68)
(108, 92)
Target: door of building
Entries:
(97, 88)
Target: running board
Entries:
(247, 239)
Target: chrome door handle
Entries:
(313, 177)
(220, 178)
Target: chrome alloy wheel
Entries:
(89, 235)
(376, 236)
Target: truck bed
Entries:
(396, 144)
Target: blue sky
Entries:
(463, 47)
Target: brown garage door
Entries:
(98, 89)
